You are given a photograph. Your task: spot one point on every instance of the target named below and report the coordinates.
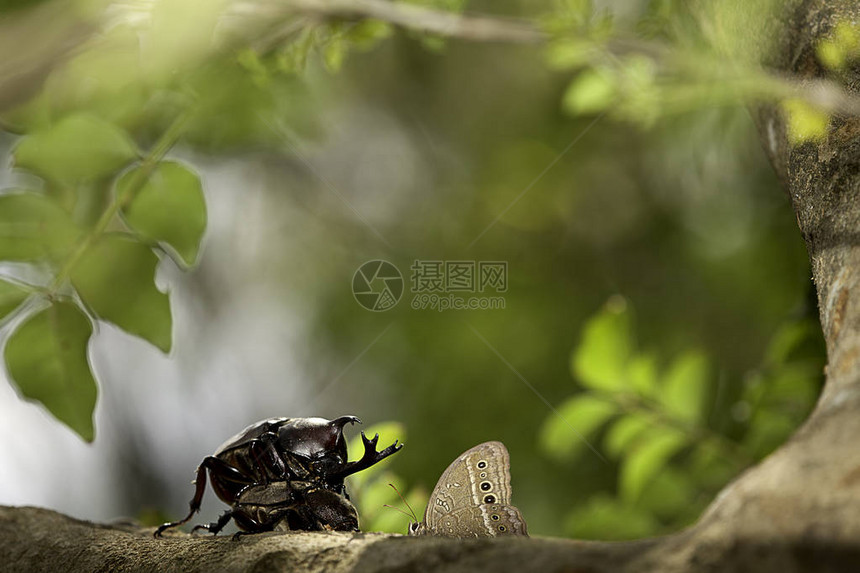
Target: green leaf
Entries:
(591, 91)
(768, 430)
(805, 123)
(334, 54)
(709, 466)
(169, 207)
(642, 373)
(671, 493)
(563, 435)
(11, 295)
(293, 57)
(647, 459)
(625, 432)
(641, 96)
(569, 53)
(250, 60)
(80, 147)
(684, 386)
(46, 356)
(840, 47)
(607, 518)
(115, 278)
(370, 500)
(366, 34)
(601, 359)
(792, 390)
(783, 343)
(34, 227)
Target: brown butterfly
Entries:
(473, 497)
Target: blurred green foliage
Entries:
(377, 491)
(653, 422)
(457, 152)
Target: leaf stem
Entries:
(139, 178)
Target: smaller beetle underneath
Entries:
(284, 473)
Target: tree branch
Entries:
(33, 42)
(799, 510)
(416, 18)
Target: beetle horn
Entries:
(370, 457)
(344, 420)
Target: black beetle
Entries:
(286, 473)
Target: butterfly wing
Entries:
(486, 520)
(487, 467)
(479, 476)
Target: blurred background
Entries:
(658, 331)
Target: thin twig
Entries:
(826, 95)
(408, 16)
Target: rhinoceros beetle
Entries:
(285, 473)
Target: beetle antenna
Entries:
(412, 511)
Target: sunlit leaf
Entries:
(805, 123)
(591, 91)
(647, 459)
(685, 385)
(608, 518)
(367, 33)
(601, 359)
(570, 53)
(250, 60)
(641, 94)
(371, 499)
(79, 147)
(46, 357)
(334, 54)
(564, 435)
(11, 295)
(642, 373)
(840, 47)
(34, 227)
(115, 278)
(625, 431)
(169, 207)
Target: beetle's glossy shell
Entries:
(252, 432)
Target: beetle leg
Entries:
(199, 487)
(296, 467)
(266, 456)
(226, 481)
(370, 457)
(210, 463)
(216, 526)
